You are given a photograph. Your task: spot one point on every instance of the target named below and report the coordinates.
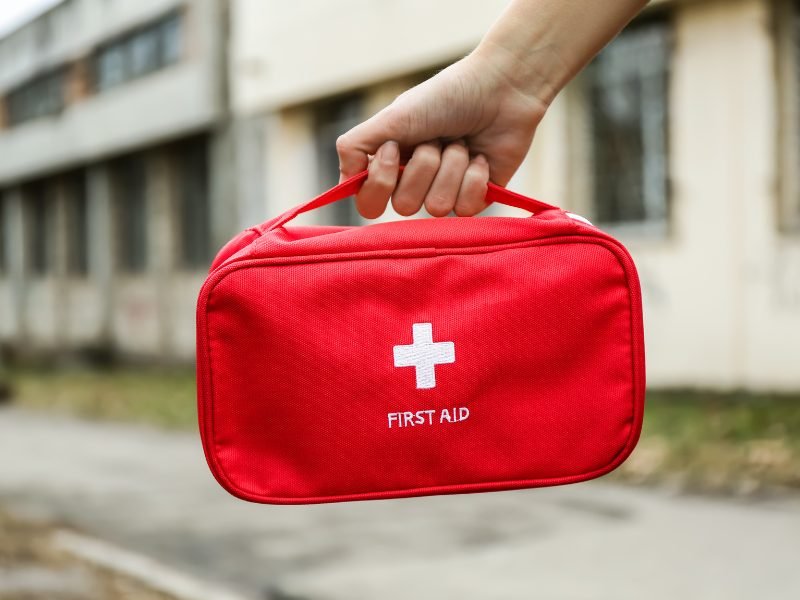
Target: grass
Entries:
(165, 398)
(737, 442)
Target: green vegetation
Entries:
(699, 440)
(156, 396)
(718, 442)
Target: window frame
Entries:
(330, 119)
(4, 254)
(77, 222)
(55, 80)
(127, 260)
(582, 138)
(39, 228)
(192, 230)
(786, 29)
(172, 22)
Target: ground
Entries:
(700, 441)
(146, 492)
(32, 567)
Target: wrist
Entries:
(538, 73)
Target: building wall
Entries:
(147, 314)
(721, 276)
(286, 53)
(177, 100)
(721, 282)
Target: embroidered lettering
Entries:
(426, 417)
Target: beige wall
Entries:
(287, 52)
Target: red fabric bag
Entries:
(418, 357)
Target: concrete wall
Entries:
(285, 53)
(143, 316)
(148, 315)
(174, 101)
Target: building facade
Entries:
(681, 139)
(113, 142)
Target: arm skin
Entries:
(474, 121)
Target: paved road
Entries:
(150, 491)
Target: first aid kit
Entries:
(420, 356)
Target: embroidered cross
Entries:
(424, 354)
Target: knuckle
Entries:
(456, 150)
(429, 157)
(342, 143)
(381, 180)
(471, 197)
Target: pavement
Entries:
(149, 491)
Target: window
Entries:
(788, 40)
(171, 40)
(193, 203)
(36, 198)
(130, 189)
(77, 224)
(3, 236)
(142, 51)
(629, 107)
(331, 119)
(36, 98)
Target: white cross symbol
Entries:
(424, 354)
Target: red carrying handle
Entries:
(494, 193)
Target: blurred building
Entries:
(681, 138)
(112, 162)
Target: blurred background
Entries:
(136, 138)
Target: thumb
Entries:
(355, 146)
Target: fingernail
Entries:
(390, 152)
(480, 158)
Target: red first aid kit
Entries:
(424, 356)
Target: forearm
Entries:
(539, 45)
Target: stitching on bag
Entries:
(626, 449)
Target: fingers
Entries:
(442, 195)
(355, 146)
(417, 178)
(381, 180)
(472, 194)
(441, 180)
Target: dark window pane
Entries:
(37, 198)
(3, 235)
(793, 214)
(332, 119)
(130, 188)
(145, 52)
(112, 67)
(138, 53)
(628, 95)
(171, 40)
(38, 97)
(193, 204)
(77, 224)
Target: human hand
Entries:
(465, 126)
